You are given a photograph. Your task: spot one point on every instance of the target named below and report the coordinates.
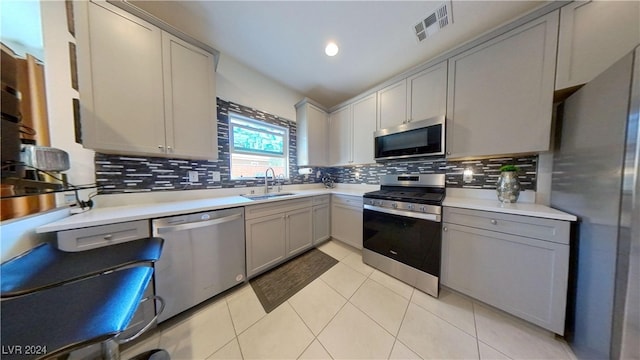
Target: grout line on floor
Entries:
(475, 327)
(395, 339)
(446, 320)
(493, 347)
(334, 315)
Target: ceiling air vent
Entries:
(435, 21)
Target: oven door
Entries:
(412, 241)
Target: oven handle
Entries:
(423, 216)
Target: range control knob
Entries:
(394, 205)
(423, 208)
(409, 206)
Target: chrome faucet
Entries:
(280, 182)
(266, 179)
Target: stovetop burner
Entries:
(418, 189)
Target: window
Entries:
(256, 146)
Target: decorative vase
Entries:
(508, 187)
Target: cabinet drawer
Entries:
(538, 228)
(321, 200)
(255, 211)
(104, 235)
(347, 200)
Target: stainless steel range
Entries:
(402, 228)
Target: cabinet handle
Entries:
(444, 228)
(448, 152)
(108, 237)
(169, 149)
(161, 148)
(494, 222)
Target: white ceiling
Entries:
(285, 40)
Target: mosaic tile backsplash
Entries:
(122, 173)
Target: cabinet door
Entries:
(340, 136)
(364, 125)
(522, 276)
(190, 100)
(299, 231)
(321, 223)
(313, 139)
(346, 225)
(265, 242)
(392, 105)
(120, 73)
(593, 36)
(427, 93)
(501, 93)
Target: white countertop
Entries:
(123, 213)
(519, 208)
(141, 210)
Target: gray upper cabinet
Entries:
(427, 93)
(190, 106)
(313, 134)
(120, 80)
(145, 92)
(392, 105)
(418, 97)
(351, 132)
(340, 137)
(363, 117)
(593, 36)
(500, 93)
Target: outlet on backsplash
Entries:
(215, 176)
(193, 176)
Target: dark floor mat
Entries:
(276, 286)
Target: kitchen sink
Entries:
(265, 196)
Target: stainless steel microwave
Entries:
(414, 139)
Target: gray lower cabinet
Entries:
(518, 264)
(346, 219)
(276, 231)
(321, 218)
(265, 242)
(299, 230)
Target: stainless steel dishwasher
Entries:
(203, 255)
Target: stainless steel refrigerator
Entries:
(596, 177)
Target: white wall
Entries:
(59, 92)
(242, 85)
(235, 81)
(19, 235)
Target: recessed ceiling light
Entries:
(331, 49)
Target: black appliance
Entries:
(413, 139)
(402, 228)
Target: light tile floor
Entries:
(351, 312)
